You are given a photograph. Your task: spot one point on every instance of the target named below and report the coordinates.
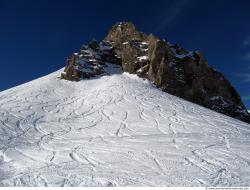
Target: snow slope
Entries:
(116, 130)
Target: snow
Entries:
(142, 58)
(105, 46)
(181, 56)
(216, 98)
(116, 130)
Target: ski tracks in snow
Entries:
(116, 130)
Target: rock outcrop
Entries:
(180, 72)
(90, 61)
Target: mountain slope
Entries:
(116, 130)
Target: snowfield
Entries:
(116, 130)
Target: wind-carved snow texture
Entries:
(116, 130)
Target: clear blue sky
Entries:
(37, 36)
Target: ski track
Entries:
(116, 130)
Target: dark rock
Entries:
(180, 72)
(124, 32)
(94, 45)
(129, 44)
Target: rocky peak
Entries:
(122, 32)
(172, 68)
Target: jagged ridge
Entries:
(180, 72)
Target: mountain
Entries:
(171, 68)
(106, 127)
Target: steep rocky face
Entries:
(90, 61)
(130, 45)
(180, 72)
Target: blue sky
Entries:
(37, 36)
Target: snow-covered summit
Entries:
(116, 130)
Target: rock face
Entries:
(180, 72)
(90, 61)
